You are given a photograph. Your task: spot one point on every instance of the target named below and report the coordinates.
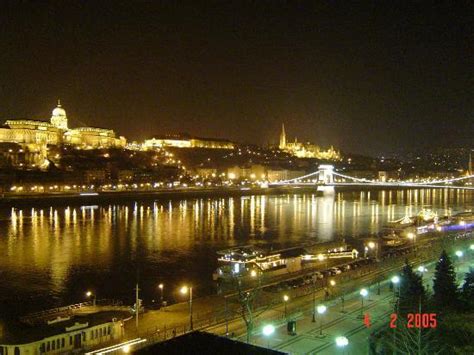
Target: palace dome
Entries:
(59, 111)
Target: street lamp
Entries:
(342, 342)
(459, 253)
(253, 273)
(363, 293)
(332, 283)
(412, 236)
(471, 247)
(285, 300)
(321, 310)
(160, 286)
(268, 330)
(184, 290)
(396, 280)
(422, 269)
(89, 294)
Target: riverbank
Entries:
(15, 199)
(103, 197)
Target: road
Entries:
(349, 324)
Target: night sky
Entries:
(366, 79)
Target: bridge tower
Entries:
(326, 174)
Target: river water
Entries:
(51, 256)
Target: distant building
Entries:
(34, 136)
(206, 172)
(250, 172)
(306, 150)
(185, 141)
(274, 175)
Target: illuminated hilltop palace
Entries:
(34, 136)
(306, 150)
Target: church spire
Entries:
(282, 137)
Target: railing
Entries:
(41, 316)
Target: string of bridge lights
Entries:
(401, 183)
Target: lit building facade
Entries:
(183, 141)
(35, 135)
(306, 150)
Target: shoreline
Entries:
(17, 200)
(78, 198)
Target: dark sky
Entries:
(366, 79)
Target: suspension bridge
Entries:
(326, 176)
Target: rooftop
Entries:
(205, 343)
(19, 333)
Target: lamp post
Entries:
(412, 236)
(285, 301)
(89, 294)
(321, 310)
(363, 293)
(160, 286)
(342, 342)
(268, 330)
(184, 290)
(395, 281)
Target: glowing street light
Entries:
(89, 294)
(342, 342)
(459, 253)
(422, 269)
(160, 286)
(412, 236)
(268, 330)
(471, 247)
(321, 310)
(332, 283)
(253, 273)
(285, 300)
(184, 290)
(363, 293)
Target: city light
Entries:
(160, 286)
(459, 253)
(395, 280)
(88, 293)
(371, 245)
(184, 290)
(321, 309)
(471, 247)
(332, 283)
(364, 292)
(286, 298)
(422, 269)
(268, 330)
(342, 341)
(253, 273)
